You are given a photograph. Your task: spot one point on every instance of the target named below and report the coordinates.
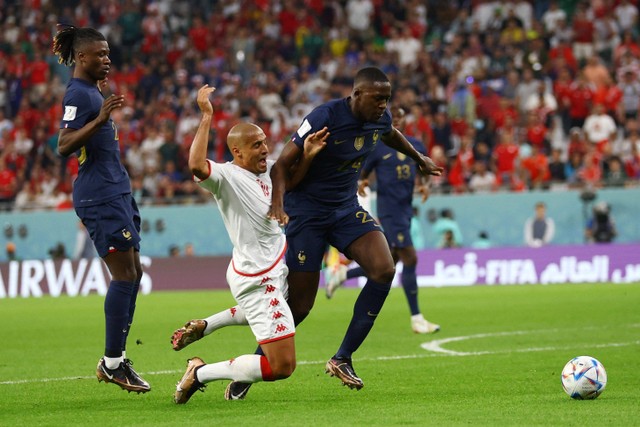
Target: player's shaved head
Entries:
(244, 133)
(370, 75)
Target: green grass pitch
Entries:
(496, 361)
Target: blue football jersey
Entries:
(395, 176)
(101, 176)
(332, 179)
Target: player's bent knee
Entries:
(282, 369)
(384, 276)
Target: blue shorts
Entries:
(398, 235)
(113, 225)
(308, 236)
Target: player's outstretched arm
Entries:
(71, 140)
(313, 144)
(198, 151)
(279, 176)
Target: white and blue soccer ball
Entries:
(584, 378)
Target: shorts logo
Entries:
(359, 143)
(400, 237)
(126, 234)
(281, 328)
(69, 113)
(302, 258)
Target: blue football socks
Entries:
(410, 286)
(116, 312)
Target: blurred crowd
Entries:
(506, 95)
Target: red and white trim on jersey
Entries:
(276, 339)
(265, 271)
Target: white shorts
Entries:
(263, 298)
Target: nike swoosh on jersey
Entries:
(386, 156)
(340, 142)
(369, 313)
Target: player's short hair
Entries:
(69, 39)
(370, 75)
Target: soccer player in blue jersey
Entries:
(322, 207)
(102, 191)
(396, 176)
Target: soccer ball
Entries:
(584, 377)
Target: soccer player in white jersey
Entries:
(257, 272)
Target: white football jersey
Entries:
(244, 199)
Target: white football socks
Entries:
(112, 362)
(230, 317)
(245, 369)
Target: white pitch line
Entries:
(433, 346)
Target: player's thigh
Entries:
(372, 253)
(306, 243)
(303, 288)
(114, 226)
(262, 298)
(398, 234)
(280, 352)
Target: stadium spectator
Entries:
(482, 180)
(599, 127)
(540, 229)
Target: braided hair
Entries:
(69, 38)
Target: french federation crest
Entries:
(401, 156)
(359, 143)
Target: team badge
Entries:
(400, 237)
(302, 257)
(69, 113)
(126, 234)
(359, 143)
(401, 156)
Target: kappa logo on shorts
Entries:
(126, 234)
(302, 258)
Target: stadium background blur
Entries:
(508, 96)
